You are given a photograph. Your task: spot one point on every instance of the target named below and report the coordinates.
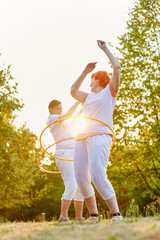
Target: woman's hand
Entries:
(101, 44)
(90, 67)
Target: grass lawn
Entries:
(128, 229)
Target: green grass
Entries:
(128, 229)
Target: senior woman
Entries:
(64, 149)
(92, 146)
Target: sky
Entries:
(49, 43)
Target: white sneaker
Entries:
(117, 217)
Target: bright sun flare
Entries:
(79, 125)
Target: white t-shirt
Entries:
(60, 130)
(100, 106)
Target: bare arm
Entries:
(75, 92)
(70, 111)
(77, 115)
(115, 79)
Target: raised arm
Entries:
(115, 79)
(70, 111)
(75, 92)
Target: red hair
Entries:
(103, 78)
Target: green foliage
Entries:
(135, 156)
(24, 190)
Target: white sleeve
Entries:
(107, 90)
(108, 94)
(52, 118)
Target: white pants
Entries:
(90, 163)
(68, 176)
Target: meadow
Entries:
(147, 228)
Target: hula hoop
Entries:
(63, 119)
(42, 169)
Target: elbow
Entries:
(72, 91)
(117, 67)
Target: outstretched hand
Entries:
(101, 44)
(90, 67)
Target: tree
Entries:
(8, 104)
(18, 153)
(137, 115)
